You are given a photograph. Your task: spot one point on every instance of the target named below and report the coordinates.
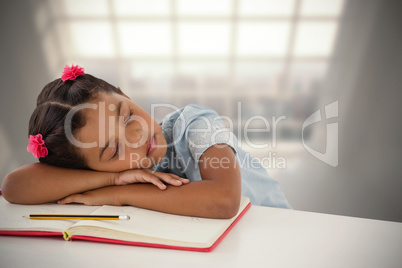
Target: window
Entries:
(270, 55)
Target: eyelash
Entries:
(117, 151)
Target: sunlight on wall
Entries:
(270, 56)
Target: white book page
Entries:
(153, 224)
(12, 216)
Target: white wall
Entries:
(365, 76)
(23, 73)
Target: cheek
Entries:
(132, 156)
(89, 158)
(136, 158)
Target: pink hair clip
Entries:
(70, 73)
(37, 146)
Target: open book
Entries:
(145, 227)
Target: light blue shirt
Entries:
(190, 131)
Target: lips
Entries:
(151, 145)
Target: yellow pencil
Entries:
(75, 217)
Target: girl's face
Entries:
(126, 136)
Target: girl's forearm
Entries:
(199, 198)
(216, 196)
(40, 183)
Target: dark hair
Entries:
(53, 104)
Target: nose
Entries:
(135, 134)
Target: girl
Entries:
(97, 147)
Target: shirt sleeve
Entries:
(201, 128)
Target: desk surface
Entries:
(264, 237)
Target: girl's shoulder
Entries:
(187, 111)
(195, 117)
(186, 115)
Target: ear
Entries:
(119, 89)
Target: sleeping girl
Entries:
(98, 147)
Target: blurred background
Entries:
(271, 59)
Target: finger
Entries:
(168, 178)
(151, 178)
(183, 180)
(176, 177)
(165, 177)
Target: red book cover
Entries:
(13, 223)
(208, 249)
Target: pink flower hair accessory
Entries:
(37, 146)
(70, 73)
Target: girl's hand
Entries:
(148, 176)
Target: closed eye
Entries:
(129, 117)
(116, 153)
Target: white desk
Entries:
(264, 237)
